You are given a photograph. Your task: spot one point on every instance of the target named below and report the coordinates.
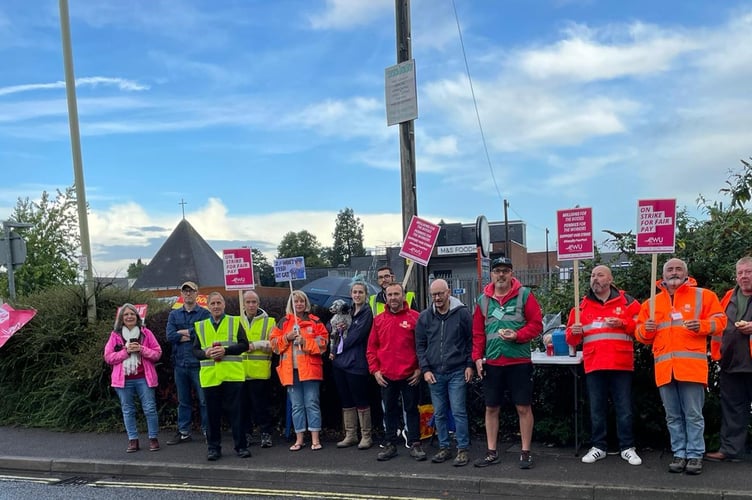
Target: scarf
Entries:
(130, 365)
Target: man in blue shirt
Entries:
(181, 333)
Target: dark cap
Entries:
(189, 284)
(501, 262)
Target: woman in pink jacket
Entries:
(132, 351)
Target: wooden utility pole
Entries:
(417, 280)
(507, 246)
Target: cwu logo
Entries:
(655, 240)
(572, 247)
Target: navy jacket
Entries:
(445, 345)
(353, 356)
(179, 319)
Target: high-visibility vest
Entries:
(257, 363)
(681, 354)
(230, 367)
(378, 307)
(510, 315)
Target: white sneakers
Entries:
(593, 456)
(631, 456)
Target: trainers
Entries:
(416, 451)
(266, 440)
(244, 453)
(526, 460)
(389, 452)
(442, 456)
(631, 456)
(179, 437)
(461, 458)
(213, 455)
(491, 458)
(153, 444)
(678, 464)
(594, 455)
(694, 466)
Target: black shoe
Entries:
(266, 440)
(694, 467)
(389, 452)
(526, 460)
(678, 464)
(491, 458)
(179, 437)
(213, 455)
(244, 453)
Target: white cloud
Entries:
(346, 14)
(93, 81)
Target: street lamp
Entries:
(15, 253)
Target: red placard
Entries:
(656, 226)
(575, 234)
(140, 308)
(419, 241)
(11, 320)
(238, 267)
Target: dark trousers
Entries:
(618, 384)
(390, 395)
(736, 396)
(256, 406)
(352, 388)
(226, 396)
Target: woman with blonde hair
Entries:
(132, 351)
(301, 339)
(350, 368)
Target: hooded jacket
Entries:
(314, 342)
(444, 342)
(679, 353)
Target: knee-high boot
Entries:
(350, 420)
(364, 416)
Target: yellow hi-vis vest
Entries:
(229, 368)
(378, 307)
(257, 363)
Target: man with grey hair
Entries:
(731, 348)
(444, 343)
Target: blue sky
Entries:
(269, 116)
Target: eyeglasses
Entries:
(384, 276)
(502, 270)
(439, 294)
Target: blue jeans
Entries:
(304, 397)
(449, 393)
(683, 402)
(619, 384)
(185, 380)
(138, 387)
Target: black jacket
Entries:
(445, 344)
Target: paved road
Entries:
(558, 474)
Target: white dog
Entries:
(340, 322)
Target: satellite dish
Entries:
(482, 235)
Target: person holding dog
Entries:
(350, 368)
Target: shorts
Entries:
(517, 379)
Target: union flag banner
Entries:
(201, 300)
(11, 320)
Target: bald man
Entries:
(606, 331)
(444, 344)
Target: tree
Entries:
(135, 269)
(348, 238)
(302, 244)
(263, 272)
(52, 242)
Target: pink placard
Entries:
(656, 226)
(11, 320)
(140, 309)
(419, 241)
(238, 268)
(575, 234)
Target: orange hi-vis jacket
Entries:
(308, 354)
(717, 339)
(681, 354)
(603, 347)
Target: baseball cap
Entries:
(189, 284)
(501, 262)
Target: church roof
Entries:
(184, 256)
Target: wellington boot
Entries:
(364, 416)
(350, 421)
